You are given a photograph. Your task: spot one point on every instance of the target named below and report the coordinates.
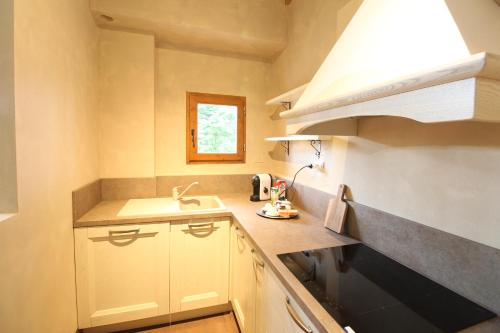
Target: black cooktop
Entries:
(369, 292)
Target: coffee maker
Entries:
(261, 184)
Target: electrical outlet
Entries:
(318, 163)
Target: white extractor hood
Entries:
(427, 60)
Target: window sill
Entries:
(5, 217)
(216, 162)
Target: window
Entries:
(215, 128)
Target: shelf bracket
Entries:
(286, 105)
(316, 144)
(286, 146)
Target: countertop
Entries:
(304, 233)
(106, 213)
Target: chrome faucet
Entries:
(175, 191)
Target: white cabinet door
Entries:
(121, 273)
(281, 313)
(247, 283)
(199, 276)
(242, 281)
(259, 269)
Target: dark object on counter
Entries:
(261, 184)
(369, 292)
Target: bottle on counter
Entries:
(281, 185)
(274, 195)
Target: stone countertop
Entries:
(270, 237)
(106, 213)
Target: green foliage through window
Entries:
(217, 129)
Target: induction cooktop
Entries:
(369, 292)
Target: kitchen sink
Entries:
(169, 206)
(209, 202)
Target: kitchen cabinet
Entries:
(200, 264)
(259, 270)
(121, 273)
(246, 281)
(281, 314)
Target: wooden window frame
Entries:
(192, 101)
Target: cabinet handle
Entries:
(200, 229)
(257, 261)
(296, 317)
(200, 225)
(119, 232)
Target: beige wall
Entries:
(55, 76)
(181, 71)
(444, 175)
(143, 106)
(313, 27)
(8, 185)
(312, 31)
(126, 104)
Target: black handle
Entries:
(192, 137)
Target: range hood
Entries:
(426, 60)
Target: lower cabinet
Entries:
(131, 272)
(121, 273)
(246, 278)
(199, 275)
(281, 314)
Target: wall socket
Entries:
(318, 163)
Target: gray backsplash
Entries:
(128, 188)
(85, 198)
(208, 184)
(469, 268)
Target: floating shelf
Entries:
(315, 141)
(300, 138)
(288, 98)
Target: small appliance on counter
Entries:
(261, 184)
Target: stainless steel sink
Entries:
(169, 206)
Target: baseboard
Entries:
(128, 327)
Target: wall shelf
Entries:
(342, 127)
(300, 138)
(288, 98)
(314, 140)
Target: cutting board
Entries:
(337, 211)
